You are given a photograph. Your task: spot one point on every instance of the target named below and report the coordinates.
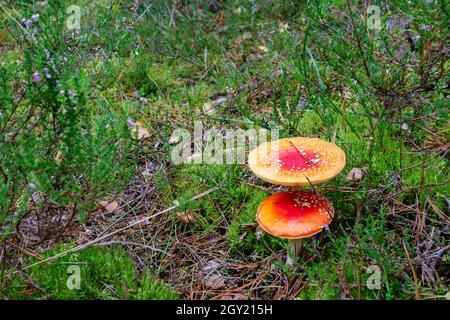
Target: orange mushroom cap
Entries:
(297, 161)
(294, 214)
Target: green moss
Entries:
(105, 273)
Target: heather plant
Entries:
(59, 153)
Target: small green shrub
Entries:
(58, 149)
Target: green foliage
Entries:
(379, 94)
(57, 144)
(320, 66)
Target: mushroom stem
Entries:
(294, 245)
(294, 248)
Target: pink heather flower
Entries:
(37, 77)
(47, 73)
(27, 23)
(130, 121)
(32, 186)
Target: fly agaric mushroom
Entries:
(294, 215)
(297, 162)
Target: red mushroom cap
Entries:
(297, 161)
(295, 214)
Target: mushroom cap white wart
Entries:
(294, 214)
(297, 161)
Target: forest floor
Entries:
(101, 194)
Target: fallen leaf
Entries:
(3, 36)
(211, 266)
(219, 101)
(108, 206)
(186, 216)
(213, 239)
(356, 174)
(220, 20)
(208, 108)
(175, 138)
(263, 48)
(214, 281)
(59, 156)
(142, 131)
(283, 27)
